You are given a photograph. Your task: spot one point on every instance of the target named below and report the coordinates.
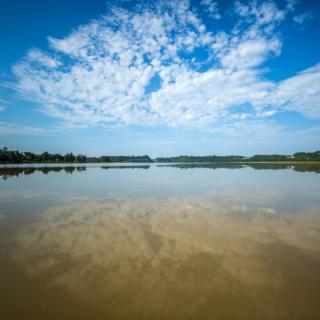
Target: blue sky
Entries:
(160, 77)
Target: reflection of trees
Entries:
(204, 165)
(69, 169)
(308, 167)
(16, 172)
(6, 172)
(303, 167)
(126, 167)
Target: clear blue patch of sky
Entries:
(154, 84)
(294, 120)
(300, 44)
(27, 24)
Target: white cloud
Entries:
(300, 93)
(250, 53)
(211, 7)
(291, 5)
(42, 59)
(262, 13)
(303, 17)
(200, 99)
(112, 62)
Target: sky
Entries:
(161, 78)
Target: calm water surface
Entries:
(159, 242)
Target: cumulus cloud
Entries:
(300, 93)
(42, 59)
(159, 64)
(260, 13)
(211, 7)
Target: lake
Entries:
(160, 241)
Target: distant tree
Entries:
(58, 157)
(104, 159)
(44, 157)
(29, 156)
(69, 157)
(81, 158)
(307, 156)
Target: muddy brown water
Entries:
(159, 242)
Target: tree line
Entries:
(299, 156)
(9, 156)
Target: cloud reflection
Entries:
(195, 257)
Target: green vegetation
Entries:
(269, 158)
(144, 158)
(300, 156)
(8, 156)
(186, 159)
(307, 156)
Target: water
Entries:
(184, 241)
